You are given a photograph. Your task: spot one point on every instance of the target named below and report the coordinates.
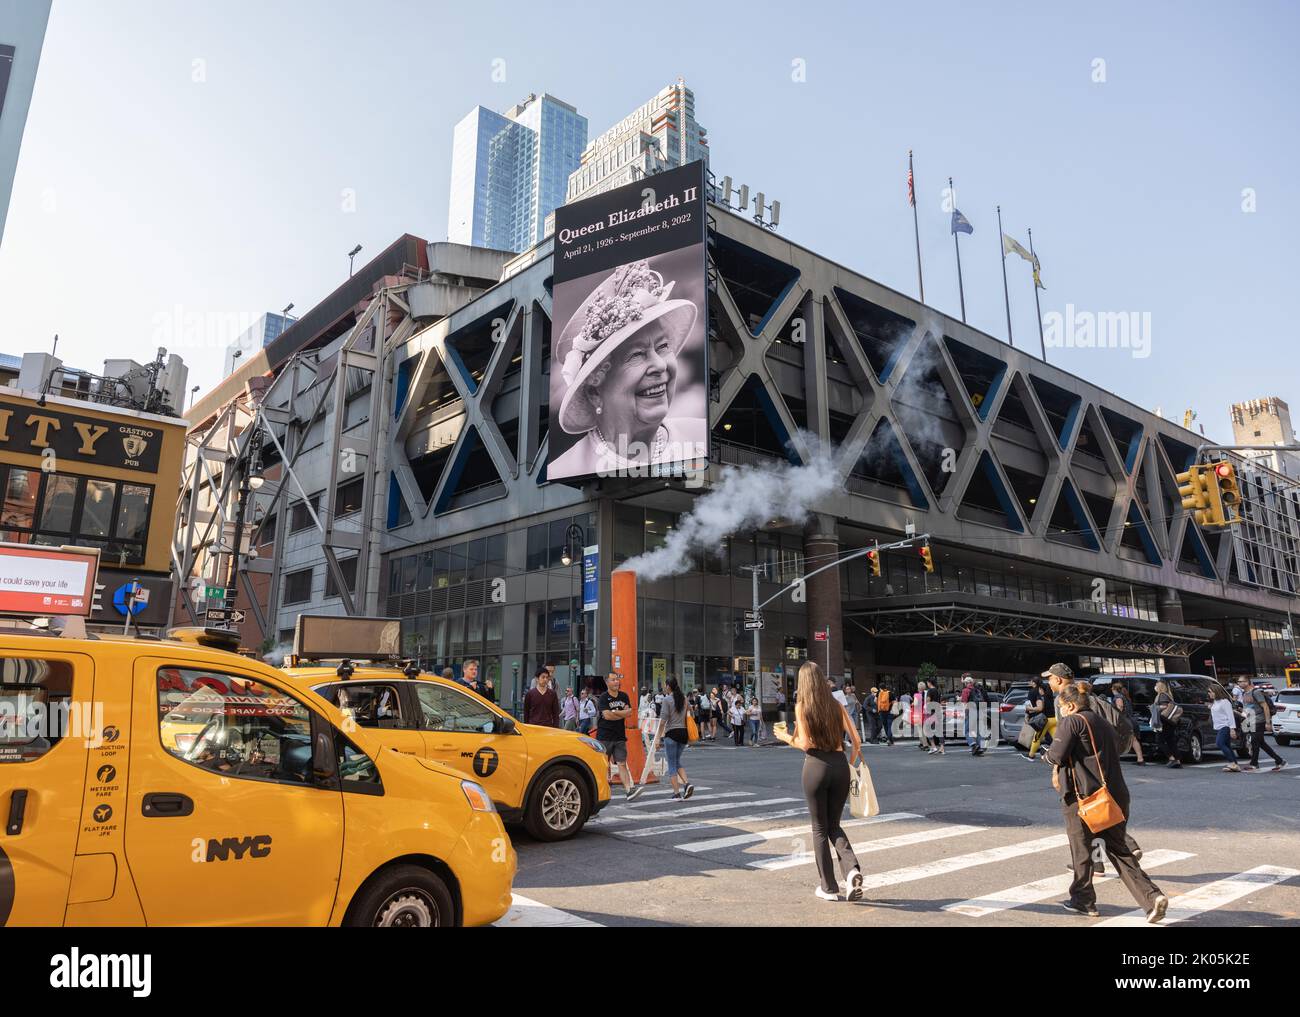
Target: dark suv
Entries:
(1190, 691)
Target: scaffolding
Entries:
(317, 425)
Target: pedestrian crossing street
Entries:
(741, 829)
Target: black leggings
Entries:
(826, 787)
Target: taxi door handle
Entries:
(17, 809)
(162, 805)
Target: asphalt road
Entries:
(960, 841)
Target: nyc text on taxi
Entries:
(163, 782)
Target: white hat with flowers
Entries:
(631, 298)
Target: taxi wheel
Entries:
(405, 896)
(559, 806)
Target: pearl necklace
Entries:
(661, 445)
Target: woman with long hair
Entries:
(820, 726)
(673, 716)
(1120, 697)
(1225, 726)
(1161, 707)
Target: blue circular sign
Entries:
(120, 596)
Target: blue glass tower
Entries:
(509, 171)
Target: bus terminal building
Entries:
(405, 454)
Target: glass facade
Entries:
(510, 171)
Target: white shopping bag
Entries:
(862, 793)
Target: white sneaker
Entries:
(1157, 913)
(853, 885)
(823, 895)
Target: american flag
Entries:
(911, 188)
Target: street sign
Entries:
(238, 617)
(753, 626)
(822, 635)
(217, 614)
(219, 593)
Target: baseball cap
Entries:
(967, 678)
(1058, 671)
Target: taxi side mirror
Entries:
(322, 757)
(505, 725)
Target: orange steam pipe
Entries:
(623, 662)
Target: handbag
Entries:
(1037, 721)
(863, 803)
(692, 729)
(1099, 811)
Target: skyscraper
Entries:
(658, 135)
(22, 34)
(257, 336)
(510, 170)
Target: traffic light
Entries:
(1200, 495)
(1229, 495)
(927, 561)
(873, 557)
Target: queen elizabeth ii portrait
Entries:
(627, 374)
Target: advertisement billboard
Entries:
(629, 355)
(47, 581)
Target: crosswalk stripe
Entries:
(884, 844)
(1210, 896)
(526, 913)
(709, 824)
(944, 866)
(758, 837)
(1053, 886)
(636, 806)
(689, 810)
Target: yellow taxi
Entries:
(550, 781)
(166, 782)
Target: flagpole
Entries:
(961, 290)
(1042, 343)
(916, 225)
(1006, 293)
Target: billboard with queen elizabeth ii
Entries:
(629, 373)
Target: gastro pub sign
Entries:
(103, 441)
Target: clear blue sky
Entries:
(141, 191)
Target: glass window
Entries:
(20, 498)
(456, 564)
(356, 770)
(348, 566)
(299, 516)
(133, 513)
(234, 726)
(60, 503)
(424, 570)
(657, 527)
(441, 568)
(445, 709)
(297, 587)
(347, 498)
(495, 556)
(558, 528)
(369, 705)
(537, 548)
(35, 699)
(629, 532)
(97, 513)
(476, 560)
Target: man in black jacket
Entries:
(1081, 767)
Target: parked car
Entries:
(1190, 691)
(1286, 715)
(1012, 712)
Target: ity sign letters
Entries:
(30, 430)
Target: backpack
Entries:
(882, 701)
(1115, 718)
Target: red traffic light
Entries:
(1223, 469)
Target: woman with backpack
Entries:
(885, 714)
(1165, 715)
(820, 727)
(1225, 726)
(1119, 696)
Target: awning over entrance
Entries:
(962, 616)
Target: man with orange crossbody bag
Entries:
(1095, 804)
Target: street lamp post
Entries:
(576, 535)
(351, 255)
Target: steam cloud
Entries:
(745, 499)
